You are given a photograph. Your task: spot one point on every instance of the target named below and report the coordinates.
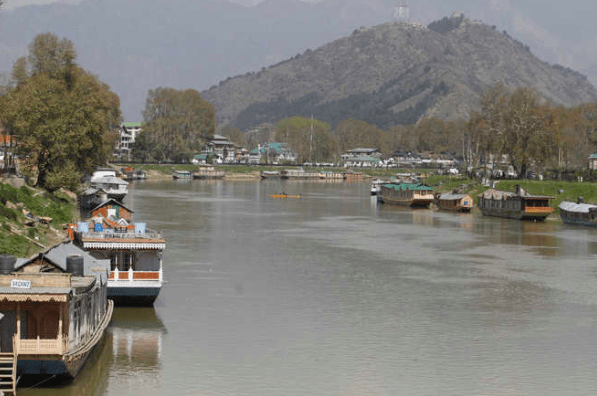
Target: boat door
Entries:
(8, 328)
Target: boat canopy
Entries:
(577, 207)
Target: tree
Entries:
(177, 123)
(309, 138)
(353, 133)
(235, 135)
(60, 113)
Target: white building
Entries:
(128, 133)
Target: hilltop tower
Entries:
(402, 12)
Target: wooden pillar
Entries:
(60, 313)
(17, 337)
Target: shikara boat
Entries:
(269, 174)
(406, 194)
(284, 196)
(208, 172)
(579, 213)
(518, 205)
(54, 313)
(454, 202)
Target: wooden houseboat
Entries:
(208, 172)
(182, 174)
(406, 194)
(135, 253)
(329, 175)
(54, 312)
(519, 205)
(298, 174)
(106, 179)
(454, 202)
(578, 213)
(269, 174)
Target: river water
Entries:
(334, 294)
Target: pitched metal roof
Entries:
(408, 186)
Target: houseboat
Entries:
(298, 174)
(578, 213)
(329, 175)
(454, 202)
(54, 312)
(376, 185)
(519, 205)
(182, 174)
(91, 197)
(106, 179)
(406, 194)
(269, 174)
(135, 253)
(208, 172)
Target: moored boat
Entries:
(376, 185)
(579, 213)
(106, 180)
(269, 174)
(284, 196)
(135, 253)
(208, 172)
(298, 174)
(406, 194)
(54, 313)
(518, 205)
(454, 202)
(182, 174)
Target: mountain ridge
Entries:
(394, 73)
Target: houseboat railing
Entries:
(106, 234)
(131, 275)
(39, 346)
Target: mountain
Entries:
(395, 73)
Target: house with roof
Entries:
(276, 152)
(127, 135)
(222, 148)
(362, 157)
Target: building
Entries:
(363, 157)
(128, 134)
(222, 148)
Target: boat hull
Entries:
(514, 214)
(134, 295)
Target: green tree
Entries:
(353, 133)
(235, 135)
(309, 138)
(60, 113)
(176, 123)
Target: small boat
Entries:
(454, 202)
(269, 174)
(182, 174)
(518, 205)
(579, 213)
(375, 186)
(54, 313)
(284, 196)
(411, 194)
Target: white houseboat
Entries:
(135, 253)
(54, 312)
(105, 179)
(578, 213)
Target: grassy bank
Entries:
(32, 219)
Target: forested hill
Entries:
(395, 73)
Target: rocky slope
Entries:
(395, 73)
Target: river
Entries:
(335, 294)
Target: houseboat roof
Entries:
(577, 207)
(499, 194)
(450, 197)
(111, 201)
(108, 180)
(409, 186)
(94, 270)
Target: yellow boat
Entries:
(284, 196)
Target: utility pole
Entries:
(311, 140)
